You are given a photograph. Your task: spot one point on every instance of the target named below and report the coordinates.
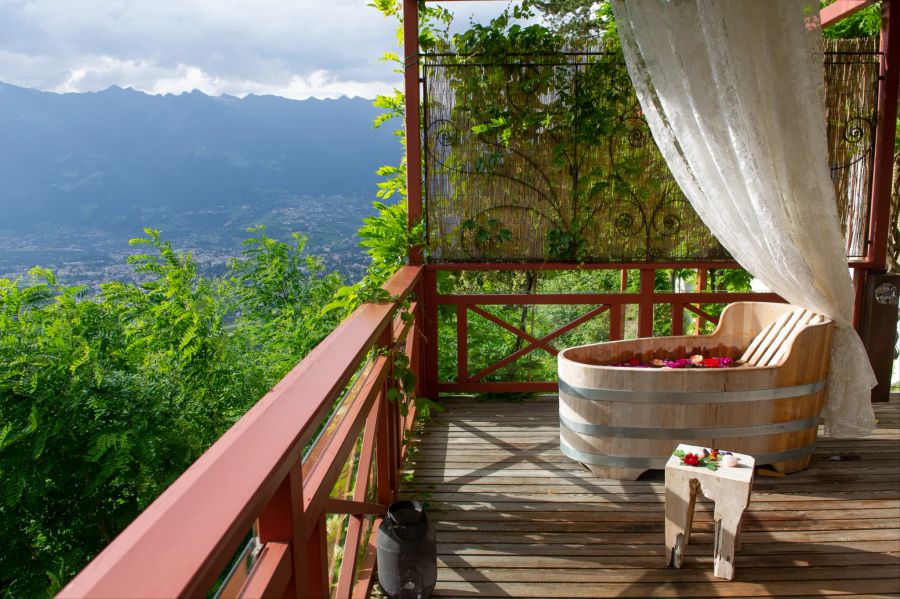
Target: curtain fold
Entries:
(733, 92)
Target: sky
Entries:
(292, 48)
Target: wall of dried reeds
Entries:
(538, 158)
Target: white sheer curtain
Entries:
(733, 91)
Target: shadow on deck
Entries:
(516, 518)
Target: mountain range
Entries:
(111, 162)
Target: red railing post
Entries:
(462, 343)
(430, 337)
(885, 135)
(645, 308)
(617, 322)
(280, 521)
(413, 120)
(617, 315)
(312, 576)
(384, 464)
(677, 319)
(702, 275)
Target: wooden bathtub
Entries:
(621, 421)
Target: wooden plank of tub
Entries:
(770, 339)
(786, 332)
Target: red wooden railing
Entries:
(275, 470)
(646, 300)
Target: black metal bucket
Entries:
(407, 552)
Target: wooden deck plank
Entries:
(516, 518)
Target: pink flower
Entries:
(711, 363)
(725, 362)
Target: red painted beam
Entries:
(533, 346)
(885, 134)
(645, 307)
(479, 266)
(271, 573)
(538, 299)
(462, 343)
(842, 9)
(412, 119)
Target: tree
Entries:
(105, 400)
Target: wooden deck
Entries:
(516, 518)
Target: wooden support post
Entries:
(859, 294)
(880, 346)
(412, 119)
(462, 343)
(280, 521)
(616, 324)
(417, 339)
(313, 576)
(617, 314)
(385, 471)
(677, 319)
(430, 337)
(885, 134)
(388, 430)
(645, 308)
(702, 275)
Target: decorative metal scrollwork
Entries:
(858, 131)
(638, 133)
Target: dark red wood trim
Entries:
(271, 574)
(462, 343)
(677, 319)
(645, 307)
(885, 134)
(533, 346)
(518, 299)
(430, 336)
(859, 293)
(574, 266)
(701, 313)
(363, 587)
(354, 507)
(513, 329)
(314, 583)
(617, 322)
(714, 297)
(319, 482)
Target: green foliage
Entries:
(552, 133)
(105, 400)
(864, 23)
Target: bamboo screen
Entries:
(851, 100)
(548, 158)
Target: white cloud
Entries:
(301, 48)
(298, 48)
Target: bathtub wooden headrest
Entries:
(769, 347)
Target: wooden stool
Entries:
(729, 487)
